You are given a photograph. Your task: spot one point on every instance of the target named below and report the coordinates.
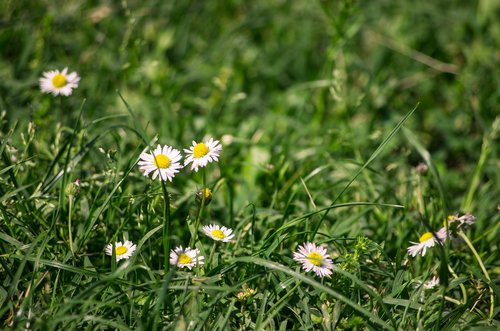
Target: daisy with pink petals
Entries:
(426, 240)
(314, 258)
(59, 82)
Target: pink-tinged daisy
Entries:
(430, 284)
(454, 223)
(314, 258)
(200, 154)
(122, 251)
(186, 257)
(218, 233)
(163, 162)
(59, 82)
(427, 240)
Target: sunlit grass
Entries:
(363, 129)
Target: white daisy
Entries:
(163, 161)
(59, 82)
(314, 258)
(200, 154)
(122, 251)
(218, 233)
(426, 240)
(185, 257)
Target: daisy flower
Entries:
(441, 234)
(200, 154)
(426, 240)
(466, 220)
(59, 82)
(218, 233)
(185, 257)
(163, 161)
(428, 285)
(453, 223)
(314, 258)
(431, 283)
(122, 251)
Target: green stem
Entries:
(61, 110)
(462, 287)
(166, 227)
(113, 257)
(481, 265)
(69, 225)
(212, 251)
(200, 210)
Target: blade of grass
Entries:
(365, 165)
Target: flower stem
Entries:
(166, 227)
(481, 265)
(200, 209)
(462, 287)
(70, 230)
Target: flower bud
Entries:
(204, 192)
(72, 189)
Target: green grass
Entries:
(324, 110)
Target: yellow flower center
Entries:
(218, 234)
(207, 193)
(162, 161)
(185, 259)
(200, 150)
(449, 219)
(59, 81)
(121, 250)
(315, 258)
(426, 236)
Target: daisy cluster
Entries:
(449, 231)
(165, 161)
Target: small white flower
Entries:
(314, 258)
(200, 154)
(163, 161)
(57, 82)
(428, 285)
(185, 257)
(426, 240)
(431, 283)
(122, 251)
(218, 233)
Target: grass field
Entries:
(354, 136)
